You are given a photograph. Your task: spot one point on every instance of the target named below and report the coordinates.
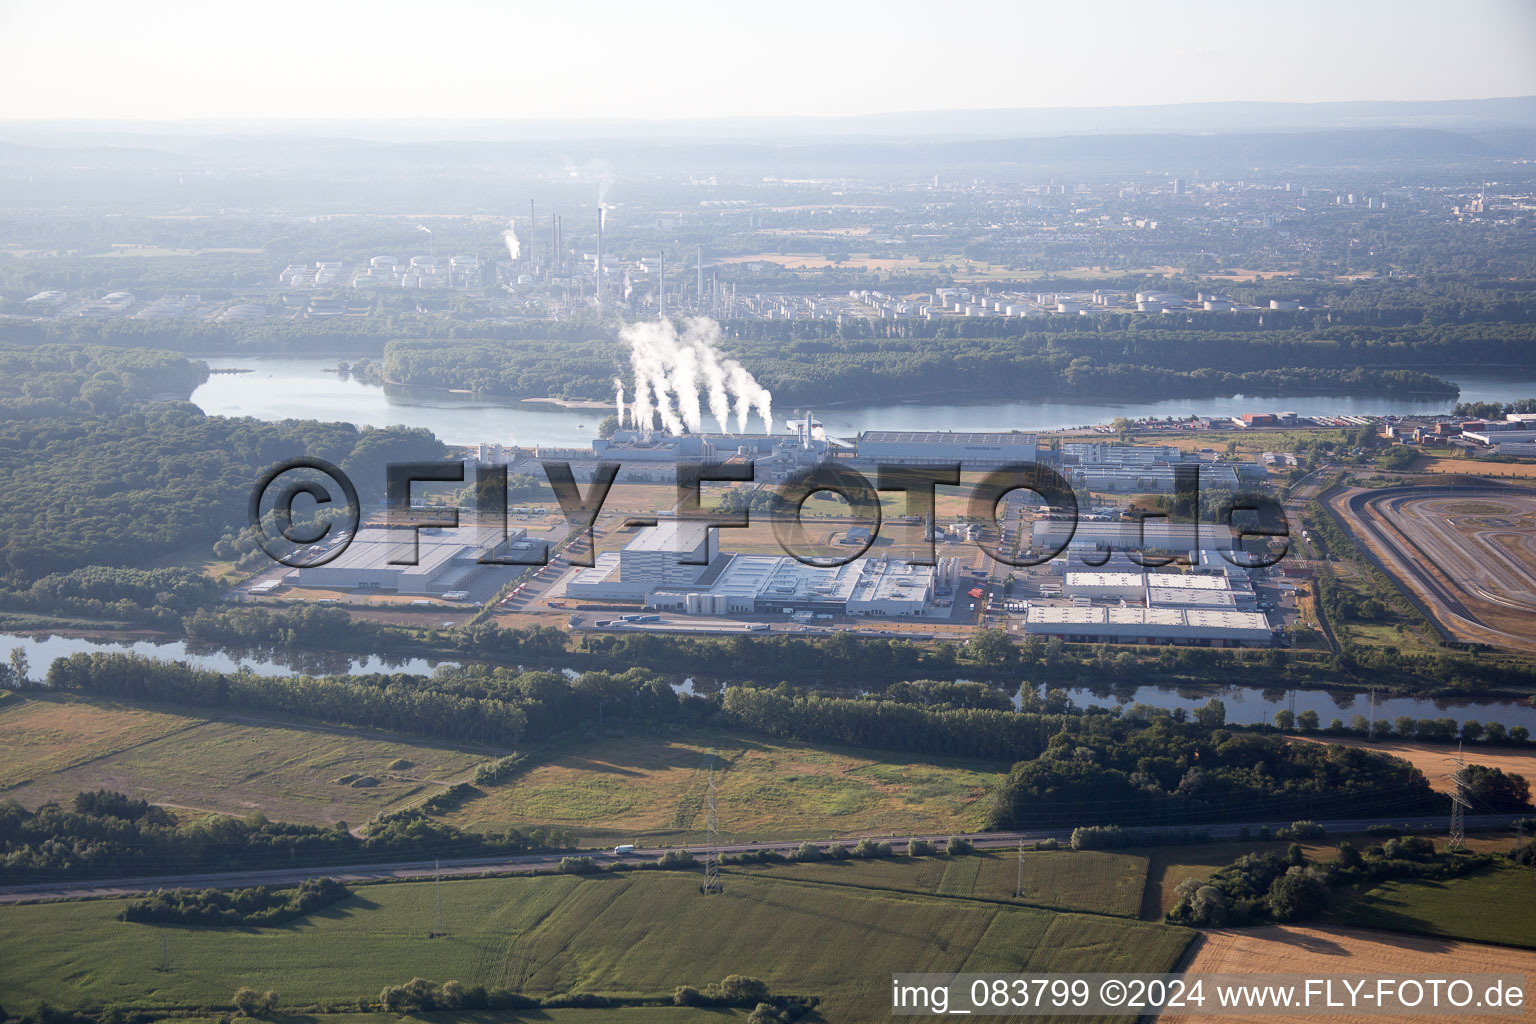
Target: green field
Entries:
(57, 747)
(636, 934)
(653, 789)
(1089, 880)
(1497, 905)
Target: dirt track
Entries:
(1467, 554)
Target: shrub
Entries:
(677, 860)
(919, 848)
(959, 847)
(578, 866)
(808, 853)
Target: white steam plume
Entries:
(618, 400)
(510, 237)
(667, 366)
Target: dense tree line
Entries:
(57, 380)
(158, 597)
(1192, 363)
(132, 488)
(107, 834)
(1268, 886)
(255, 907)
(340, 700)
(892, 725)
(1172, 773)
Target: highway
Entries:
(404, 870)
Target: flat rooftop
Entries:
(987, 439)
(669, 535)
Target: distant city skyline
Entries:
(393, 59)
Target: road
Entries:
(404, 870)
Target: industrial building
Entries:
(1130, 624)
(651, 569)
(445, 559)
(924, 446)
(1137, 469)
(1182, 540)
(1163, 589)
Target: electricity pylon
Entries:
(712, 884)
(1458, 804)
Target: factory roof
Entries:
(1104, 579)
(979, 438)
(1187, 581)
(670, 535)
(1186, 598)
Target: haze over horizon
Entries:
(174, 60)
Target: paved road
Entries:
(546, 861)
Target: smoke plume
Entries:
(510, 237)
(671, 370)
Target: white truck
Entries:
(624, 850)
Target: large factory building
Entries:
(650, 569)
(1134, 624)
(446, 560)
(970, 449)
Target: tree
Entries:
(1309, 721)
(19, 667)
(247, 1000)
(1285, 721)
(1494, 791)
(608, 427)
(1296, 895)
(991, 647)
(1212, 714)
(1209, 906)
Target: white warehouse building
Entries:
(1149, 625)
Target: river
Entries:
(1246, 705)
(304, 387)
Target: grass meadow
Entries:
(653, 789)
(627, 934)
(57, 747)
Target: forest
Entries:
(1173, 773)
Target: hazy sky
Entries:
(162, 59)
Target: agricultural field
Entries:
(229, 764)
(630, 934)
(1497, 906)
(1323, 951)
(653, 789)
(1090, 880)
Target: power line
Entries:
(1458, 803)
(712, 884)
(1018, 888)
